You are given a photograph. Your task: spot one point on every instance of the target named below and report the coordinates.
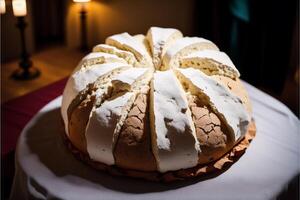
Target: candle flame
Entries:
(2, 6)
(19, 8)
(81, 1)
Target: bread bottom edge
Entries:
(213, 168)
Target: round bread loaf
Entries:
(155, 103)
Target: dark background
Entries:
(265, 48)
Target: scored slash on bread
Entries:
(99, 58)
(124, 41)
(171, 123)
(160, 39)
(211, 62)
(143, 40)
(102, 125)
(108, 118)
(93, 95)
(124, 81)
(133, 149)
(100, 90)
(227, 106)
(81, 78)
(126, 55)
(77, 123)
(211, 133)
(237, 88)
(182, 47)
(155, 103)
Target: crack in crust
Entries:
(80, 108)
(213, 168)
(210, 132)
(133, 148)
(78, 121)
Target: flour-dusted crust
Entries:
(211, 62)
(126, 55)
(82, 77)
(171, 123)
(201, 171)
(160, 39)
(158, 106)
(223, 102)
(183, 47)
(124, 41)
(133, 149)
(237, 88)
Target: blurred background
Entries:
(261, 37)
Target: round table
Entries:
(45, 169)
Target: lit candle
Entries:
(81, 1)
(19, 8)
(83, 4)
(2, 6)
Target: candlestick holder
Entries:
(26, 71)
(83, 27)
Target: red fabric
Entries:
(17, 112)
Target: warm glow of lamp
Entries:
(83, 26)
(2, 6)
(81, 1)
(19, 8)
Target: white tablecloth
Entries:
(45, 169)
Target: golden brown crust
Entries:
(78, 121)
(215, 167)
(210, 132)
(133, 148)
(237, 88)
(131, 137)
